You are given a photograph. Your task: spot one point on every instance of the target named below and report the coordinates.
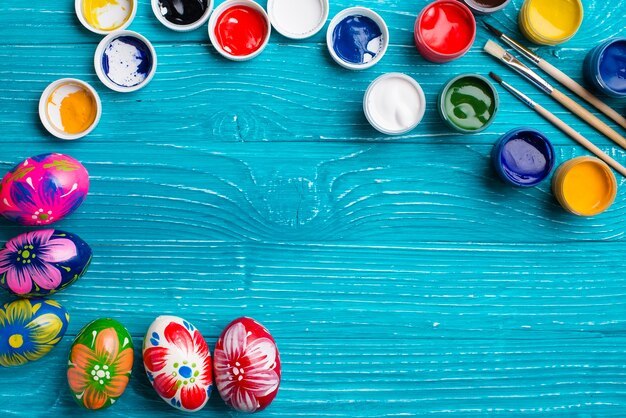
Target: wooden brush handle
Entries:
(580, 139)
(565, 80)
(588, 117)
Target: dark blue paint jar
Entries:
(523, 157)
(605, 67)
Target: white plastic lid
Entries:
(298, 19)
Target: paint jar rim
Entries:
(43, 112)
(496, 155)
(217, 13)
(477, 8)
(370, 89)
(429, 53)
(182, 28)
(534, 35)
(558, 182)
(446, 87)
(306, 34)
(591, 67)
(360, 11)
(81, 17)
(97, 60)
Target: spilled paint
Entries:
(71, 108)
(107, 15)
(127, 61)
(357, 39)
(241, 30)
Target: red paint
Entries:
(445, 30)
(241, 30)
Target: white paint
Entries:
(298, 19)
(124, 62)
(53, 108)
(394, 104)
(112, 15)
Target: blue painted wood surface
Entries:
(399, 276)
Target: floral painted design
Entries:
(40, 263)
(43, 189)
(178, 363)
(29, 329)
(100, 364)
(247, 366)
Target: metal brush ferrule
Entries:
(527, 73)
(521, 96)
(521, 49)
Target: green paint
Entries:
(468, 103)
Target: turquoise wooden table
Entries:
(398, 276)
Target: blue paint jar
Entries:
(605, 67)
(523, 157)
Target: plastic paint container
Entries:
(523, 157)
(550, 22)
(483, 7)
(298, 19)
(605, 67)
(444, 31)
(468, 103)
(239, 29)
(105, 16)
(584, 186)
(394, 104)
(182, 15)
(125, 61)
(357, 38)
(70, 108)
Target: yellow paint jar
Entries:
(105, 16)
(585, 186)
(550, 22)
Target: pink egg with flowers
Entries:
(43, 189)
(246, 366)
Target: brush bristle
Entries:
(493, 30)
(496, 77)
(494, 49)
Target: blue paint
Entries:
(185, 371)
(357, 39)
(605, 67)
(523, 157)
(127, 61)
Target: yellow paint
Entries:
(551, 21)
(78, 111)
(107, 15)
(16, 341)
(585, 186)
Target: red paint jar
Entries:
(444, 31)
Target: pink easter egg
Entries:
(43, 189)
(246, 366)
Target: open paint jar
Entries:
(125, 61)
(394, 104)
(605, 67)
(550, 22)
(357, 38)
(239, 29)
(523, 157)
(70, 108)
(484, 7)
(444, 31)
(584, 186)
(105, 16)
(182, 15)
(298, 19)
(468, 103)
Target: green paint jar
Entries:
(468, 103)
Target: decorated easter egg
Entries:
(100, 363)
(246, 365)
(29, 329)
(178, 363)
(43, 189)
(40, 263)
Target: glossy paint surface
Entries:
(446, 28)
(469, 103)
(399, 276)
(241, 30)
(127, 61)
(183, 12)
(357, 39)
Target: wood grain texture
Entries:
(398, 275)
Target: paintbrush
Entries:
(560, 124)
(498, 52)
(560, 76)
